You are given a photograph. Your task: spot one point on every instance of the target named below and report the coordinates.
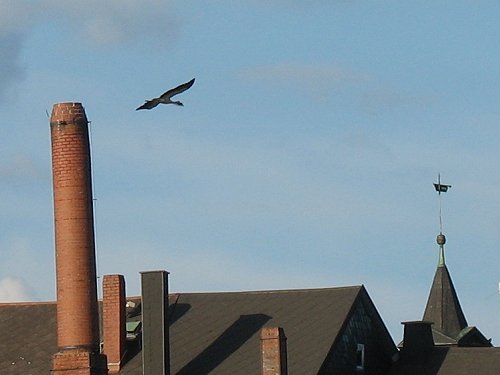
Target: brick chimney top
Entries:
(65, 113)
(274, 352)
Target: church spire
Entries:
(443, 307)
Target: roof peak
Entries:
(443, 307)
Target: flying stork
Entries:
(166, 98)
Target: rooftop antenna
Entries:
(94, 206)
(441, 239)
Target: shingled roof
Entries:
(452, 361)
(28, 338)
(211, 333)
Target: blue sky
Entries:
(304, 155)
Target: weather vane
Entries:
(441, 239)
(441, 188)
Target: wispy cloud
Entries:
(13, 289)
(317, 80)
(115, 21)
(103, 22)
(15, 15)
(378, 96)
(11, 68)
(302, 4)
(15, 18)
(93, 22)
(324, 81)
(21, 167)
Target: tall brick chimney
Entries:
(113, 320)
(77, 311)
(274, 353)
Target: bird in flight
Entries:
(166, 98)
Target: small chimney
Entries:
(155, 329)
(77, 312)
(417, 338)
(274, 353)
(113, 321)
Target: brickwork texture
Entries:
(77, 309)
(113, 320)
(273, 347)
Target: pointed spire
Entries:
(443, 307)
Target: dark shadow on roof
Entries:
(228, 342)
(133, 348)
(134, 311)
(421, 365)
(175, 312)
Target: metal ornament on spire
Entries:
(441, 239)
(441, 188)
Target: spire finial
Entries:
(441, 239)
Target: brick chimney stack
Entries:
(113, 321)
(274, 352)
(77, 309)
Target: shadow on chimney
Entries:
(176, 311)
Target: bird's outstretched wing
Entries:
(149, 104)
(165, 97)
(177, 90)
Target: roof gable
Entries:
(472, 337)
(362, 326)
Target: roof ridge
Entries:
(269, 291)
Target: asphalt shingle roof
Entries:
(210, 333)
(28, 338)
(452, 361)
(218, 333)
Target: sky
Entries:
(304, 155)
